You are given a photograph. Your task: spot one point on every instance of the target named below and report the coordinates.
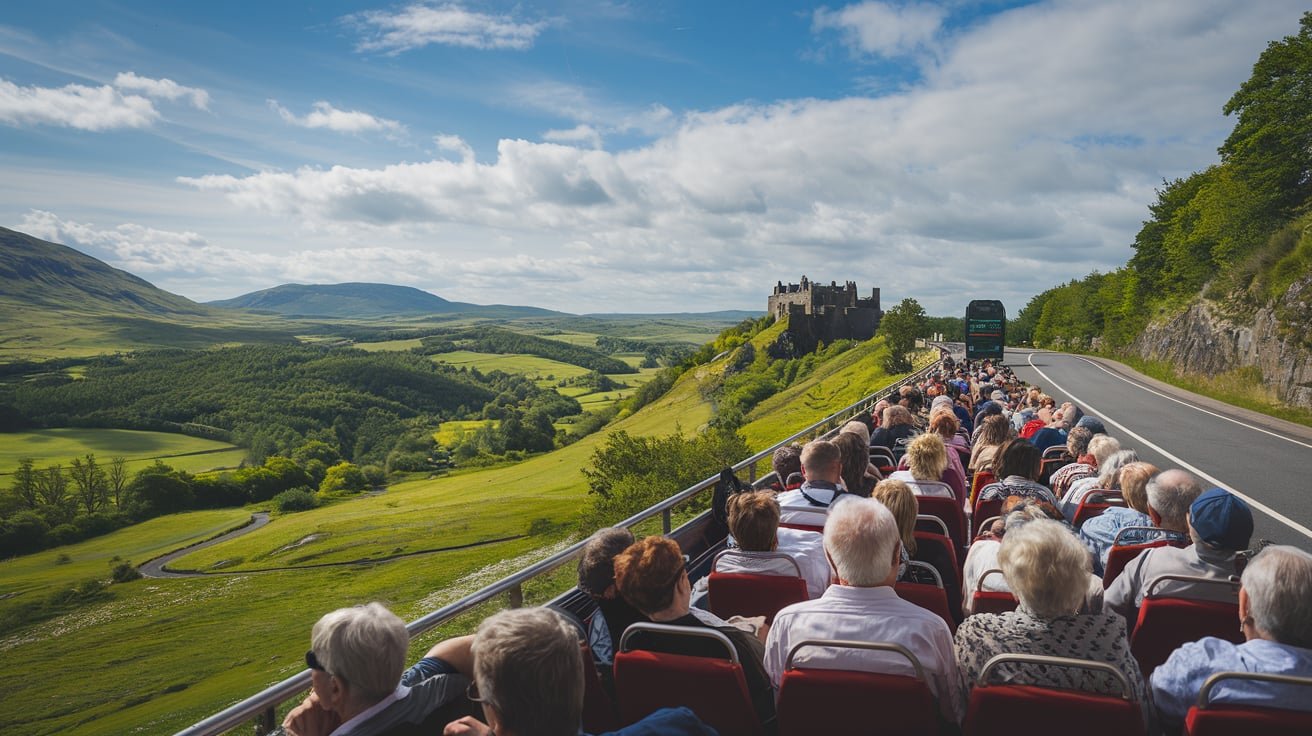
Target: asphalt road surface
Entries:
(1266, 461)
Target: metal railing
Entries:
(262, 706)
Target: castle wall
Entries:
(822, 314)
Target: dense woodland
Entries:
(506, 342)
(1238, 232)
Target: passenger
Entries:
(1082, 464)
(1046, 567)
(943, 423)
(1275, 611)
(786, 461)
(1055, 431)
(1220, 526)
(861, 538)
(528, 675)
(983, 410)
(1109, 473)
(897, 429)
(1101, 447)
(927, 461)
(597, 579)
(859, 476)
(1019, 467)
(1093, 424)
(994, 432)
(1099, 533)
(356, 659)
(901, 501)
(653, 577)
(877, 414)
(823, 466)
(754, 523)
(983, 554)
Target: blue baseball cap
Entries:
(1222, 519)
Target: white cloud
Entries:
(74, 106)
(447, 24)
(164, 88)
(585, 134)
(325, 116)
(882, 29)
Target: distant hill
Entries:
(722, 316)
(365, 300)
(36, 272)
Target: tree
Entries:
(155, 494)
(344, 476)
(56, 504)
(117, 477)
(316, 450)
(89, 482)
(25, 485)
(900, 326)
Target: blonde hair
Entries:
(927, 457)
(901, 501)
(897, 414)
(1046, 566)
(1134, 484)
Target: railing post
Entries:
(516, 596)
(265, 722)
(665, 521)
(751, 473)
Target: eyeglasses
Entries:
(683, 569)
(312, 662)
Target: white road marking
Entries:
(1029, 358)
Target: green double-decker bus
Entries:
(986, 329)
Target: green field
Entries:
(49, 446)
(448, 432)
(526, 365)
(374, 347)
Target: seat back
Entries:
(802, 527)
(949, 510)
(937, 551)
(1165, 622)
(932, 598)
(714, 688)
(599, 711)
(754, 594)
(1224, 719)
(1119, 555)
(1094, 503)
(991, 601)
(1054, 457)
(984, 510)
(1005, 709)
(882, 457)
(927, 523)
(813, 700)
(980, 479)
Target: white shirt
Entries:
(363, 717)
(806, 548)
(868, 614)
(937, 489)
(794, 508)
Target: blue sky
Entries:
(613, 156)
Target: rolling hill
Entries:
(361, 300)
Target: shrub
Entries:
(125, 572)
(296, 499)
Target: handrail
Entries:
(262, 702)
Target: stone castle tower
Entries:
(817, 313)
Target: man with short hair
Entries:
(754, 523)
(809, 504)
(786, 463)
(1220, 525)
(862, 542)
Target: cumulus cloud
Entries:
(447, 24)
(881, 29)
(162, 88)
(585, 134)
(74, 106)
(325, 116)
(1022, 158)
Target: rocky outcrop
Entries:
(1276, 342)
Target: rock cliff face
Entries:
(1277, 342)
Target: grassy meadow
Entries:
(49, 446)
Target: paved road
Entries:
(1266, 460)
(155, 568)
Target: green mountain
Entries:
(360, 300)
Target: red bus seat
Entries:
(1225, 719)
(933, 598)
(1120, 554)
(1167, 621)
(991, 601)
(754, 594)
(937, 551)
(1005, 710)
(949, 510)
(984, 510)
(814, 701)
(980, 479)
(1094, 503)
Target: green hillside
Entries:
(364, 301)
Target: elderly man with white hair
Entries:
(862, 542)
(1275, 612)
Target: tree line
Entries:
(505, 342)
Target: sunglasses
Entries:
(313, 663)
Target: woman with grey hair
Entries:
(1047, 568)
(356, 659)
(1275, 616)
(1108, 478)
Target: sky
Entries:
(609, 156)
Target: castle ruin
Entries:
(821, 314)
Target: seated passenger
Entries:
(901, 501)
(653, 577)
(943, 423)
(859, 476)
(1083, 465)
(1109, 478)
(754, 524)
(597, 579)
(861, 538)
(1099, 533)
(356, 659)
(1101, 447)
(895, 431)
(528, 675)
(1275, 611)
(992, 434)
(1047, 566)
(983, 554)
(927, 460)
(808, 504)
(1220, 526)
(1019, 468)
(786, 462)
